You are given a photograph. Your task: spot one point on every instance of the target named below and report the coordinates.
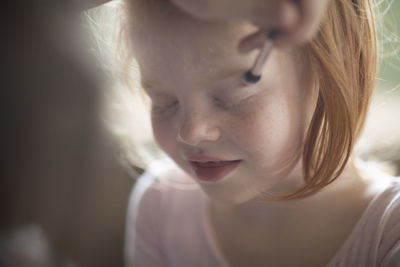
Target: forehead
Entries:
(161, 18)
(164, 42)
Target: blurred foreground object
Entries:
(57, 163)
(297, 21)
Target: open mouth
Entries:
(212, 171)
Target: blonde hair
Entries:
(343, 58)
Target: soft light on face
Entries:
(202, 112)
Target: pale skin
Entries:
(181, 71)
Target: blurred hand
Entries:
(297, 20)
(87, 4)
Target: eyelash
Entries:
(223, 104)
(164, 109)
(170, 108)
(230, 105)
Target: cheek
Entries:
(271, 132)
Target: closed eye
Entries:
(232, 103)
(223, 103)
(164, 108)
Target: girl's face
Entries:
(234, 140)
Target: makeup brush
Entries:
(253, 75)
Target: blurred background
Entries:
(74, 137)
(380, 143)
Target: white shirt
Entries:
(168, 225)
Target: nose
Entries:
(197, 128)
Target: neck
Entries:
(257, 211)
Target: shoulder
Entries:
(375, 240)
(388, 230)
(385, 205)
(381, 220)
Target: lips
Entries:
(211, 169)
